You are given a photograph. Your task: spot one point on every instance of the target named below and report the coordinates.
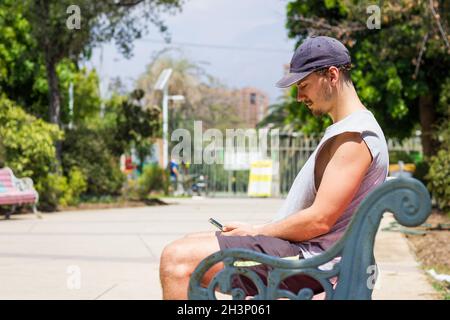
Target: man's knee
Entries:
(171, 253)
(181, 257)
(174, 260)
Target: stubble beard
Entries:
(326, 94)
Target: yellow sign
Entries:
(260, 179)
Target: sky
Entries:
(253, 32)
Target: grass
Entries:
(441, 287)
(101, 199)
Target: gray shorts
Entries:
(273, 247)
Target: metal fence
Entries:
(294, 150)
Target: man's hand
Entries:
(239, 229)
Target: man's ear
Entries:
(333, 74)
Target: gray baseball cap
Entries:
(314, 53)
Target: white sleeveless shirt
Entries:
(303, 190)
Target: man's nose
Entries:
(300, 96)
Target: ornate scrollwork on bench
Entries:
(406, 198)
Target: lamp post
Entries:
(162, 84)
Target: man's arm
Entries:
(341, 179)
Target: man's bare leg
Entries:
(180, 258)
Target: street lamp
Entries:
(162, 84)
(178, 97)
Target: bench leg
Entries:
(36, 212)
(9, 213)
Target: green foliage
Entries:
(34, 36)
(87, 99)
(396, 156)
(153, 179)
(439, 179)
(86, 93)
(439, 173)
(77, 186)
(23, 76)
(51, 190)
(86, 149)
(386, 73)
(28, 142)
(58, 190)
(22, 71)
(129, 124)
(2, 154)
(96, 143)
(421, 172)
(28, 149)
(100, 21)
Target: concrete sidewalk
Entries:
(114, 254)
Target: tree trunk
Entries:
(53, 87)
(427, 121)
(55, 99)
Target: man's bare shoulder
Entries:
(348, 142)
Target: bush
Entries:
(421, 172)
(86, 149)
(58, 190)
(153, 179)
(27, 147)
(77, 186)
(2, 154)
(439, 173)
(439, 179)
(51, 189)
(27, 142)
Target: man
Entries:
(349, 162)
(174, 175)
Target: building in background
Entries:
(253, 105)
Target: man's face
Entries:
(316, 92)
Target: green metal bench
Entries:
(406, 198)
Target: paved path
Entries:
(114, 254)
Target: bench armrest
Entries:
(24, 184)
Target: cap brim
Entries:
(291, 78)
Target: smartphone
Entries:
(216, 223)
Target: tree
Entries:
(438, 178)
(96, 144)
(400, 68)
(86, 95)
(63, 30)
(185, 80)
(85, 148)
(22, 74)
(206, 99)
(27, 141)
(136, 126)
